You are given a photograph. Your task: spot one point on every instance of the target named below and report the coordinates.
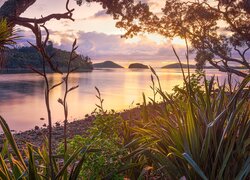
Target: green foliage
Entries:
(104, 158)
(107, 148)
(7, 34)
(7, 38)
(194, 82)
(33, 162)
(201, 132)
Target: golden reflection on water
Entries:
(22, 95)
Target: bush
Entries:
(104, 159)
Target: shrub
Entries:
(104, 159)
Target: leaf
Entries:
(32, 166)
(69, 161)
(195, 166)
(144, 110)
(11, 141)
(217, 119)
(2, 174)
(5, 170)
(4, 148)
(78, 167)
(244, 171)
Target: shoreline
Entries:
(37, 135)
(29, 71)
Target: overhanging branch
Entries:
(67, 15)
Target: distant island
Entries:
(107, 64)
(177, 65)
(19, 60)
(191, 66)
(137, 66)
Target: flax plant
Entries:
(7, 38)
(33, 162)
(200, 132)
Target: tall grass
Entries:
(199, 134)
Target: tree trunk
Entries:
(14, 8)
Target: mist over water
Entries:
(22, 95)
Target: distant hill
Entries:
(137, 66)
(20, 59)
(107, 64)
(177, 65)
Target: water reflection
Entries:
(8, 88)
(22, 95)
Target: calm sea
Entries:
(22, 95)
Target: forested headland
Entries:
(24, 59)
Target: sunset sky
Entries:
(99, 38)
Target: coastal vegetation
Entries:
(22, 59)
(199, 131)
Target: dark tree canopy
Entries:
(219, 32)
(15, 8)
(11, 11)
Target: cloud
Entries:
(101, 14)
(113, 47)
(25, 37)
(101, 46)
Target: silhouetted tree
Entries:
(219, 32)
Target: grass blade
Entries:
(195, 166)
(11, 141)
